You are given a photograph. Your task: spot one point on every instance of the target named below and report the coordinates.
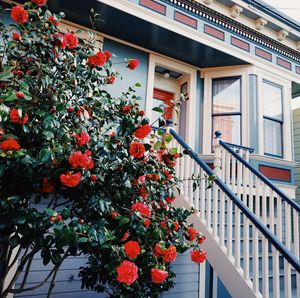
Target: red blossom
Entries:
(158, 251)
(158, 276)
(69, 179)
(201, 239)
(170, 254)
(79, 160)
(132, 249)
(141, 113)
(133, 63)
(168, 175)
(143, 192)
(114, 214)
(142, 208)
(99, 59)
(93, 177)
(10, 145)
(170, 199)
(110, 80)
(136, 150)
(70, 40)
(15, 117)
(82, 138)
(52, 20)
(125, 236)
(39, 2)
(198, 256)
(16, 36)
(19, 14)
(193, 233)
(127, 273)
(142, 131)
(20, 95)
(126, 109)
(48, 185)
(146, 223)
(1, 133)
(107, 54)
(176, 226)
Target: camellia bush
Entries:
(105, 179)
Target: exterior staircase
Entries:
(251, 227)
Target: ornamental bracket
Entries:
(281, 35)
(260, 23)
(208, 2)
(235, 11)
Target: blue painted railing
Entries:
(238, 203)
(263, 178)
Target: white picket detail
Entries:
(251, 254)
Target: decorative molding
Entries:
(240, 43)
(153, 5)
(185, 19)
(208, 2)
(260, 23)
(284, 63)
(298, 45)
(282, 35)
(214, 32)
(263, 54)
(275, 173)
(235, 11)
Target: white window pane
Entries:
(226, 95)
(272, 99)
(229, 126)
(273, 137)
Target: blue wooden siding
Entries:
(130, 77)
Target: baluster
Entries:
(276, 273)
(296, 233)
(247, 156)
(257, 198)
(239, 178)
(251, 186)
(223, 165)
(287, 280)
(255, 261)
(265, 267)
(208, 206)
(197, 190)
(287, 266)
(264, 204)
(202, 195)
(215, 210)
(271, 214)
(227, 168)
(187, 170)
(229, 227)
(246, 248)
(190, 182)
(237, 237)
(222, 218)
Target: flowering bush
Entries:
(65, 141)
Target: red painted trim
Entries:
(284, 63)
(240, 44)
(263, 54)
(298, 69)
(214, 32)
(166, 97)
(275, 173)
(154, 6)
(185, 19)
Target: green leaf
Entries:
(48, 135)
(65, 213)
(168, 138)
(173, 151)
(157, 145)
(14, 240)
(23, 84)
(158, 109)
(10, 96)
(56, 258)
(45, 155)
(6, 74)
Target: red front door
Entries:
(165, 97)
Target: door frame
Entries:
(190, 73)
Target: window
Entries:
(273, 118)
(226, 110)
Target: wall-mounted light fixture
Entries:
(166, 74)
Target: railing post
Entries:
(218, 154)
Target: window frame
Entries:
(240, 113)
(265, 81)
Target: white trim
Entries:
(191, 75)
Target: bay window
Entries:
(226, 109)
(273, 118)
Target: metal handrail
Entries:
(246, 211)
(261, 176)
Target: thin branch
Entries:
(28, 266)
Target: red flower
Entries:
(127, 273)
(10, 145)
(146, 223)
(168, 175)
(1, 133)
(126, 109)
(97, 60)
(48, 186)
(15, 117)
(20, 94)
(141, 113)
(201, 239)
(143, 192)
(114, 214)
(170, 200)
(170, 254)
(133, 63)
(69, 179)
(19, 14)
(125, 236)
(107, 54)
(176, 226)
(93, 177)
(16, 36)
(132, 249)
(198, 256)
(82, 138)
(141, 208)
(142, 131)
(69, 40)
(81, 160)
(39, 2)
(169, 160)
(136, 149)
(193, 233)
(52, 20)
(158, 276)
(111, 79)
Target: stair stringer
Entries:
(224, 267)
